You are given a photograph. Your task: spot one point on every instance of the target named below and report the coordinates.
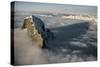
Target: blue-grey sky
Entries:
(57, 8)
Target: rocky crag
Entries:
(37, 31)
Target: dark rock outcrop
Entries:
(37, 31)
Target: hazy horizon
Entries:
(54, 8)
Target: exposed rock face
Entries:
(33, 32)
(37, 31)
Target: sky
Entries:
(55, 8)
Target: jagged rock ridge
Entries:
(37, 31)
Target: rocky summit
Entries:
(36, 30)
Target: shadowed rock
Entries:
(37, 31)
